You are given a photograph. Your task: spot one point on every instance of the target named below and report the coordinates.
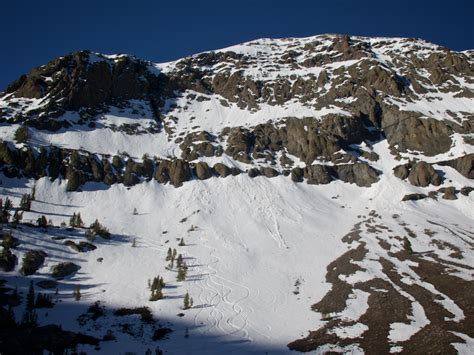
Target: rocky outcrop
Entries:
(407, 131)
(359, 173)
(414, 197)
(202, 171)
(464, 165)
(422, 174)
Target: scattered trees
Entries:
(98, 229)
(42, 222)
(76, 220)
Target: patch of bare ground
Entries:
(391, 296)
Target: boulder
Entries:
(422, 174)
(414, 197)
(268, 172)
(359, 173)
(464, 165)
(222, 170)
(203, 171)
(318, 174)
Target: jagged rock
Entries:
(407, 131)
(422, 174)
(414, 197)
(318, 174)
(32, 261)
(359, 173)
(464, 165)
(75, 179)
(130, 178)
(203, 171)
(449, 193)
(64, 269)
(222, 170)
(401, 171)
(179, 171)
(239, 143)
(466, 190)
(253, 172)
(235, 171)
(268, 172)
(297, 174)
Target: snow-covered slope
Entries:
(328, 232)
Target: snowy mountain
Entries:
(317, 189)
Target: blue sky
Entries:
(34, 32)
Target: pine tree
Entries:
(407, 245)
(135, 212)
(77, 293)
(182, 243)
(179, 261)
(173, 256)
(169, 255)
(134, 243)
(17, 217)
(42, 222)
(182, 270)
(187, 302)
(25, 203)
(30, 297)
(10, 321)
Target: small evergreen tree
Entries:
(17, 217)
(169, 255)
(182, 243)
(179, 261)
(21, 134)
(182, 270)
(134, 242)
(407, 245)
(187, 302)
(42, 222)
(135, 212)
(30, 297)
(173, 256)
(77, 293)
(25, 203)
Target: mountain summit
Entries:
(323, 183)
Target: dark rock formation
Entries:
(422, 174)
(414, 197)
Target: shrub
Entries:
(21, 134)
(98, 229)
(43, 301)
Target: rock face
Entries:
(422, 174)
(464, 165)
(255, 117)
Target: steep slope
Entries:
(321, 182)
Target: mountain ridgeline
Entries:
(306, 108)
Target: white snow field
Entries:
(251, 241)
